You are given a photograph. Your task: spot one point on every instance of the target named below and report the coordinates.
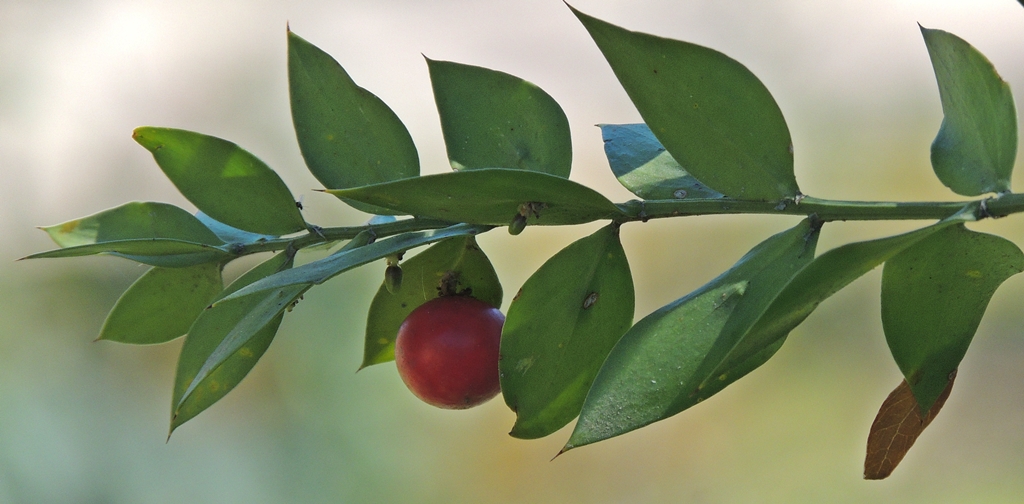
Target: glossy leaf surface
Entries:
(345, 259)
(559, 330)
(459, 257)
(642, 165)
(162, 304)
(347, 135)
(934, 294)
(975, 148)
(223, 180)
(206, 335)
(489, 196)
(157, 234)
(491, 119)
(659, 366)
(896, 427)
(711, 113)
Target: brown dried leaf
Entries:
(896, 427)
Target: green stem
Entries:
(636, 210)
(826, 210)
(316, 235)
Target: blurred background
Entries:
(86, 422)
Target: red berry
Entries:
(447, 351)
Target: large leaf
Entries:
(489, 196)
(643, 166)
(658, 367)
(223, 180)
(711, 113)
(162, 304)
(347, 136)
(934, 294)
(491, 119)
(460, 258)
(347, 258)
(152, 233)
(560, 328)
(975, 148)
(205, 336)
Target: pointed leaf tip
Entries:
(347, 135)
(492, 119)
(975, 148)
(714, 116)
(896, 427)
(223, 180)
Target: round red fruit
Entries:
(447, 351)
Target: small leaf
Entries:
(975, 148)
(231, 234)
(162, 304)
(711, 113)
(660, 365)
(157, 234)
(896, 428)
(459, 256)
(192, 395)
(643, 166)
(934, 295)
(347, 136)
(489, 196)
(320, 271)
(223, 180)
(559, 330)
(491, 119)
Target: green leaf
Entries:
(245, 316)
(422, 274)
(975, 148)
(320, 271)
(489, 196)
(711, 113)
(822, 278)
(816, 282)
(560, 328)
(491, 119)
(223, 180)
(157, 234)
(192, 396)
(231, 234)
(659, 366)
(643, 166)
(347, 136)
(162, 304)
(934, 294)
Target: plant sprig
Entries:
(713, 142)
